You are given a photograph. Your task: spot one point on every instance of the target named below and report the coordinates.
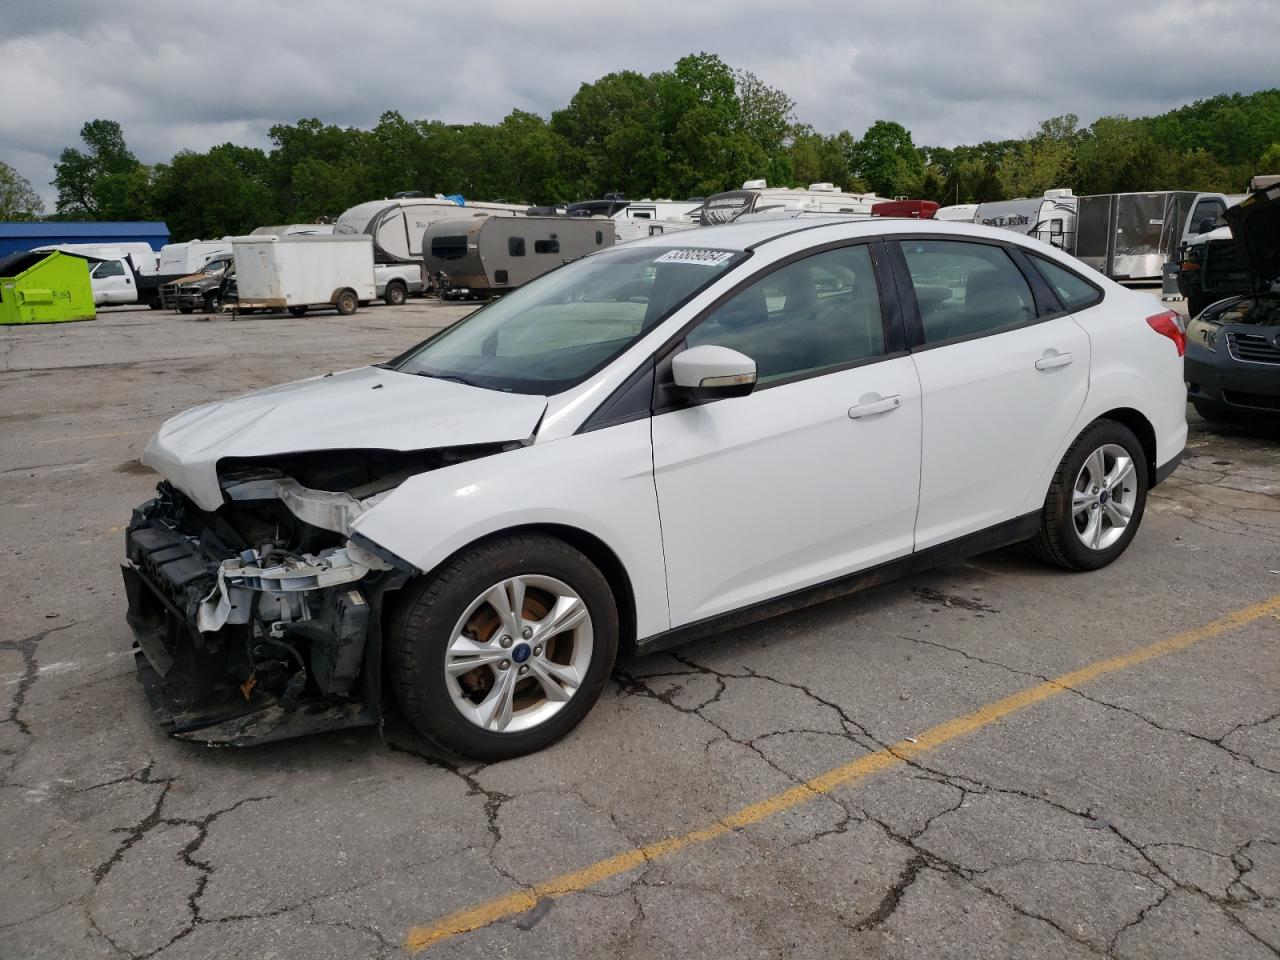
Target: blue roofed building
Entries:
(18, 236)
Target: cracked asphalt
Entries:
(1135, 815)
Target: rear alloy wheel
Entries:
(505, 650)
(1096, 500)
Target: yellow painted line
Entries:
(95, 436)
(473, 918)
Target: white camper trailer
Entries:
(296, 273)
(294, 230)
(397, 226)
(1050, 218)
(756, 196)
(652, 218)
(186, 259)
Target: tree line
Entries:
(697, 129)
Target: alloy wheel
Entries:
(519, 653)
(1104, 496)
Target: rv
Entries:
(145, 260)
(756, 196)
(296, 273)
(294, 230)
(652, 218)
(1131, 236)
(397, 226)
(1050, 218)
(957, 212)
(179, 260)
(487, 255)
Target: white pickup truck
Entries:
(394, 282)
(115, 281)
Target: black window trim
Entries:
(1099, 294)
(1047, 305)
(667, 400)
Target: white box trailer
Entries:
(296, 273)
(185, 259)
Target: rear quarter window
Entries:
(1073, 290)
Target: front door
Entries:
(814, 474)
(1002, 387)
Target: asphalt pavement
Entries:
(994, 759)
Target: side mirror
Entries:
(708, 372)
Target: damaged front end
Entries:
(260, 620)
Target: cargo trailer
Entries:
(296, 273)
(1129, 237)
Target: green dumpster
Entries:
(45, 288)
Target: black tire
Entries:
(346, 303)
(212, 303)
(298, 311)
(155, 304)
(186, 309)
(428, 611)
(1057, 542)
(1213, 414)
(395, 294)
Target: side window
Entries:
(811, 315)
(1074, 291)
(546, 246)
(109, 268)
(1203, 211)
(966, 289)
(515, 246)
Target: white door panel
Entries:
(996, 410)
(788, 487)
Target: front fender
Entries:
(599, 482)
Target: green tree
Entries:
(615, 133)
(1043, 161)
(18, 199)
(104, 182)
(886, 158)
(219, 193)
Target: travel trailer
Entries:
(1050, 218)
(294, 230)
(1131, 236)
(652, 218)
(756, 196)
(957, 212)
(179, 260)
(487, 255)
(397, 226)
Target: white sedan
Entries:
(642, 446)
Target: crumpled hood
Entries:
(365, 408)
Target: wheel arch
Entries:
(595, 550)
(1142, 428)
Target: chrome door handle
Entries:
(1049, 361)
(872, 407)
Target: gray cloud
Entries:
(186, 75)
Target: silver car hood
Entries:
(367, 408)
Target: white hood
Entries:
(366, 408)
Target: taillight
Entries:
(1169, 324)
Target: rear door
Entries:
(1003, 374)
(813, 475)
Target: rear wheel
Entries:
(298, 311)
(395, 294)
(212, 303)
(1096, 499)
(506, 649)
(346, 303)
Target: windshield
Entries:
(555, 332)
(215, 267)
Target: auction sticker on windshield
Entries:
(702, 258)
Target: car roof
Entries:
(748, 236)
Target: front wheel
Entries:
(212, 303)
(1096, 499)
(505, 649)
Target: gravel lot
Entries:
(1130, 807)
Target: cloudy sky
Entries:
(177, 74)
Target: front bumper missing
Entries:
(204, 686)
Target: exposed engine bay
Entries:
(262, 619)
